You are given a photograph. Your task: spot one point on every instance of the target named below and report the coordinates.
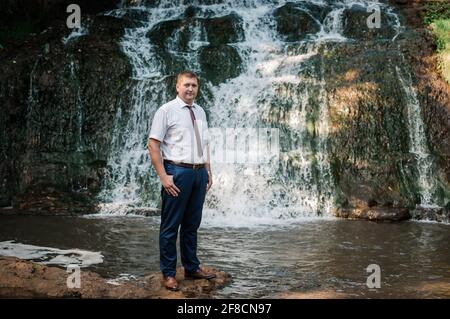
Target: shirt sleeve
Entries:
(205, 128)
(159, 125)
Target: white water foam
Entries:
(49, 255)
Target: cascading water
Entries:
(131, 182)
(277, 98)
(417, 139)
(76, 33)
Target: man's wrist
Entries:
(163, 175)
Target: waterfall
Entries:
(131, 181)
(278, 99)
(417, 141)
(76, 33)
(331, 28)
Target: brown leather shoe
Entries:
(199, 274)
(171, 283)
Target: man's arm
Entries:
(154, 151)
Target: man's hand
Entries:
(209, 181)
(157, 161)
(169, 185)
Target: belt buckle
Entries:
(195, 166)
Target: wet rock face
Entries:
(51, 201)
(225, 29)
(441, 215)
(218, 60)
(432, 90)
(59, 103)
(369, 139)
(375, 214)
(356, 25)
(219, 63)
(216, 31)
(296, 21)
(22, 17)
(164, 30)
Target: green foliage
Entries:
(434, 10)
(441, 29)
(437, 15)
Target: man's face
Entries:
(187, 89)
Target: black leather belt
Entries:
(193, 166)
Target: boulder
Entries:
(219, 30)
(225, 29)
(356, 25)
(436, 214)
(59, 136)
(27, 279)
(295, 22)
(375, 214)
(164, 30)
(220, 63)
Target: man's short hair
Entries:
(188, 74)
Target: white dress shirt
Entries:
(172, 126)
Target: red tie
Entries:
(197, 133)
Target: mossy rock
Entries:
(220, 63)
(110, 27)
(219, 30)
(356, 26)
(164, 30)
(296, 21)
(225, 29)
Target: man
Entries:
(179, 132)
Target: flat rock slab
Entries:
(26, 279)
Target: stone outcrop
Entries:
(296, 21)
(220, 62)
(375, 213)
(26, 279)
(20, 18)
(437, 214)
(59, 103)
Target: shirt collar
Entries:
(182, 104)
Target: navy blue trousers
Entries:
(184, 213)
